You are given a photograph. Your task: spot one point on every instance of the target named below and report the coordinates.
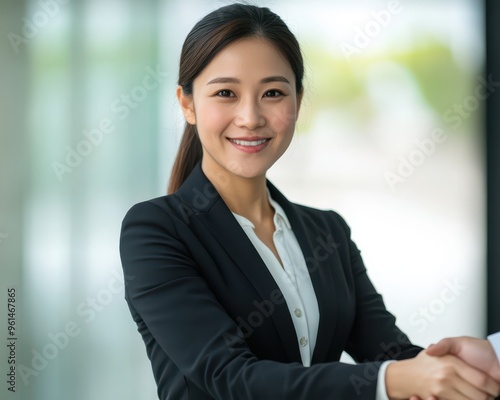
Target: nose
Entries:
(249, 115)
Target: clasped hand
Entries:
(461, 368)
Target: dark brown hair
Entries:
(207, 38)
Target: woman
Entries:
(237, 292)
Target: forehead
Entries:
(246, 59)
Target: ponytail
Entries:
(188, 155)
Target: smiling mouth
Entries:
(249, 143)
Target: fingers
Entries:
(460, 390)
(457, 393)
(443, 347)
(443, 378)
(467, 391)
(476, 382)
(478, 353)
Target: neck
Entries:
(244, 196)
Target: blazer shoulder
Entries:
(150, 206)
(163, 204)
(323, 217)
(158, 209)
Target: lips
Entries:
(253, 144)
(247, 142)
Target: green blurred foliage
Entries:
(341, 83)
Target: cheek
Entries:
(282, 118)
(211, 120)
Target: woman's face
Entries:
(245, 106)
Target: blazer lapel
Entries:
(200, 196)
(320, 270)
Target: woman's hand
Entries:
(445, 378)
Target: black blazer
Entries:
(214, 322)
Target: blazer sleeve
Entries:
(184, 317)
(374, 334)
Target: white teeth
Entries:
(247, 143)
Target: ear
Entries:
(187, 105)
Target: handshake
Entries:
(461, 368)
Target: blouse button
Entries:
(297, 312)
(303, 341)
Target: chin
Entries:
(250, 172)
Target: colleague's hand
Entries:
(478, 353)
(445, 377)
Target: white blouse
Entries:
(495, 342)
(295, 283)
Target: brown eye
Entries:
(225, 93)
(273, 93)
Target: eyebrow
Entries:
(269, 79)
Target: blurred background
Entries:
(391, 136)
